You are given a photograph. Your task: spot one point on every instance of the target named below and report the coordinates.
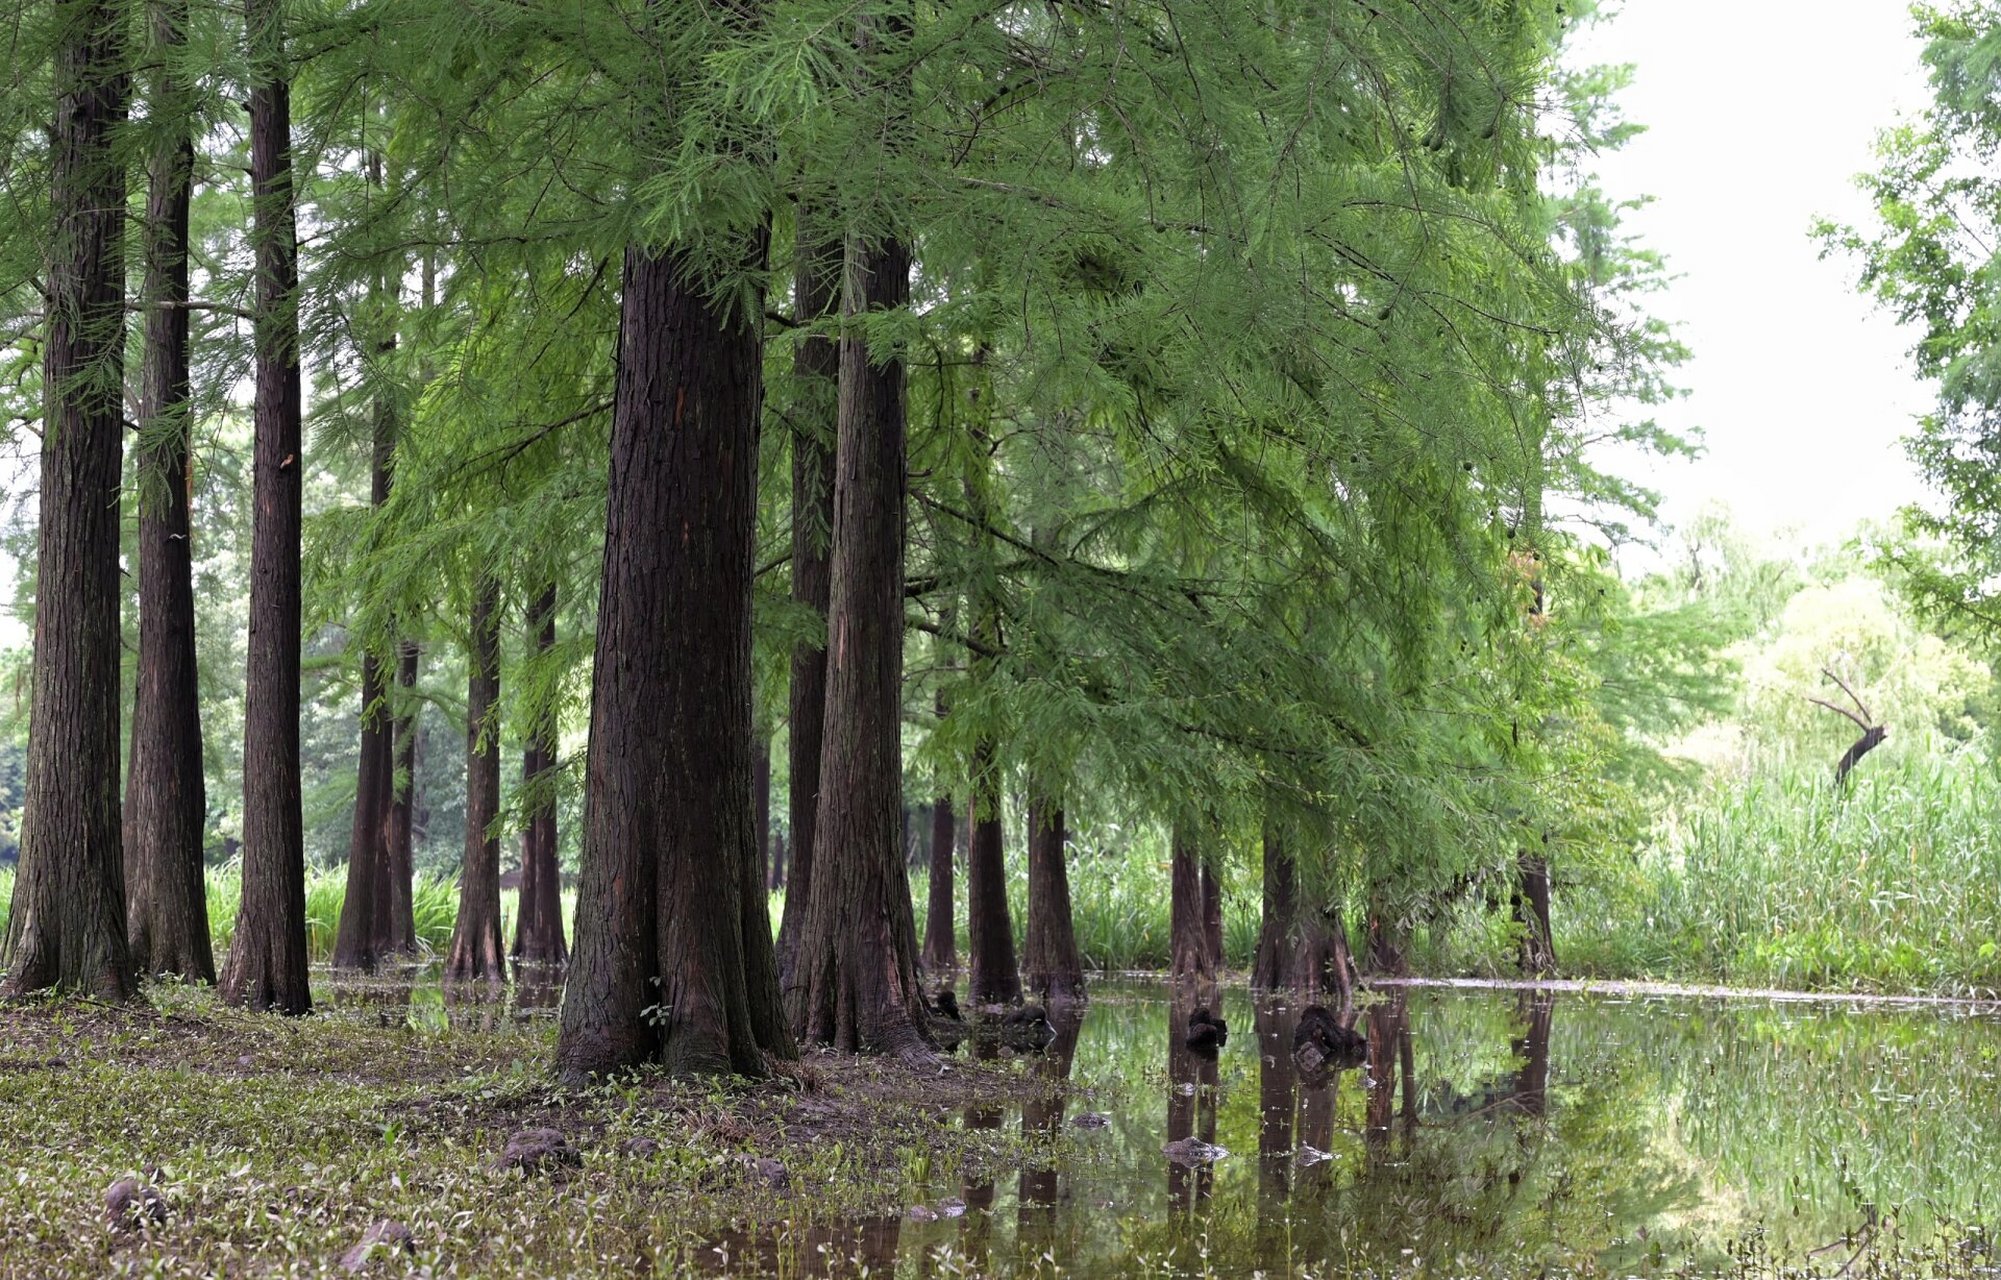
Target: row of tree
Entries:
(1203, 389)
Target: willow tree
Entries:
(67, 923)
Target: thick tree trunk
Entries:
(477, 950)
(401, 870)
(1299, 948)
(1052, 967)
(166, 800)
(1188, 939)
(67, 925)
(538, 931)
(856, 983)
(941, 944)
(816, 372)
(1531, 909)
(663, 966)
(991, 974)
(266, 968)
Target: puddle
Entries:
(1489, 1132)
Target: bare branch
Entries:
(1860, 723)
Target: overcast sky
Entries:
(1759, 113)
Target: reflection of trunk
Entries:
(1388, 1022)
(1054, 970)
(1277, 1088)
(1531, 908)
(266, 968)
(477, 948)
(1298, 949)
(1206, 1082)
(1532, 1050)
(815, 368)
(402, 872)
(1188, 943)
(992, 977)
(1042, 1117)
(1180, 1102)
(166, 805)
(663, 964)
(976, 1228)
(854, 983)
(941, 948)
(1317, 1098)
(538, 930)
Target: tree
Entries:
(166, 798)
(538, 929)
(1051, 966)
(1300, 949)
(266, 968)
(1188, 934)
(66, 927)
(477, 950)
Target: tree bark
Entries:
(941, 944)
(1188, 939)
(991, 974)
(266, 968)
(664, 966)
(1052, 967)
(1300, 949)
(67, 925)
(476, 949)
(166, 799)
(538, 931)
(401, 870)
(760, 790)
(815, 373)
(856, 984)
(359, 941)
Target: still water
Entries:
(1489, 1133)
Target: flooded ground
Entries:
(1488, 1133)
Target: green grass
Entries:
(1780, 880)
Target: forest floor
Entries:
(283, 1146)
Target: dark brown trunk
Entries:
(991, 974)
(477, 950)
(1531, 909)
(401, 870)
(266, 968)
(777, 880)
(166, 798)
(1212, 916)
(1188, 942)
(941, 944)
(360, 939)
(67, 925)
(815, 373)
(1386, 957)
(1278, 1080)
(664, 966)
(760, 790)
(1052, 967)
(856, 985)
(538, 931)
(1300, 947)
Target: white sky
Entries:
(1759, 113)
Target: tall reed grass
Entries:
(1892, 883)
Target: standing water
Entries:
(1488, 1133)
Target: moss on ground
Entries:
(278, 1143)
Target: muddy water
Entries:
(1489, 1133)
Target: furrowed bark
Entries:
(1188, 943)
(67, 924)
(266, 968)
(476, 949)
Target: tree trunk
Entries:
(777, 880)
(1300, 949)
(856, 983)
(401, 870)
(941, 945)
(1188, 938)
(1212, 916)
(1053, 969)
(267, 960)
(166, 800)
(664, 967)
(1531, 909)
(760, 790)
(67, 925)
(358, 944)
(815, 372)
(538, 931)
(1386, 943)
(991, 975)
(477, 950)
